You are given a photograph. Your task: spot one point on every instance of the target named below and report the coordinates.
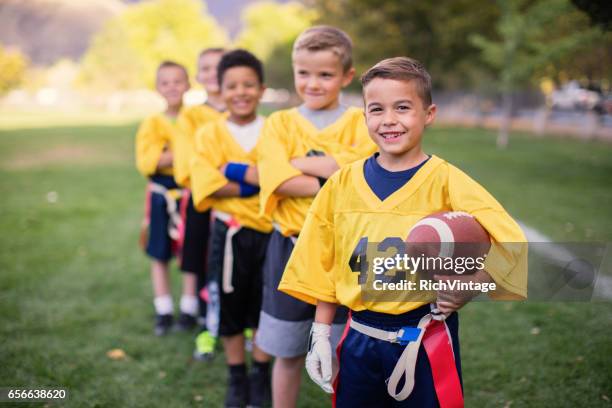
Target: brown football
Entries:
(450, 234)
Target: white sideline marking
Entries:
(562, 256)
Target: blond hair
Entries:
(211, 50)
(321, 38)
(402, 69)
(172, 64)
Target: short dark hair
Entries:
(402, 69)
(172, 64)
(239, 58)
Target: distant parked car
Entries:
(571, 96)
(604, 106)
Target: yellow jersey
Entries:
(155, 134)
(288, 135)
(216, 146)
(346, 213)
(188, 121)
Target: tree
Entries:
(599, 11)
(268, 24)
(593, 59)
(528, 39)
(269, 32)
(279, 70)
(432, 33)
(13, 65)
(125, 53)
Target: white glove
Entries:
(319, 357)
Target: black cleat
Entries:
(259, 389)
(163, 324)
(237, 391)
(186, 322)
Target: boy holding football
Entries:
(378, 200)
(300, 149)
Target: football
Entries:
(449, 235)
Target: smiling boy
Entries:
(379, 199)
(224, 177)
(300, 149)
(155, 144)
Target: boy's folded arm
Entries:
(148, 159)
(165, 160)
(273, 165)
(209, 182)
(205, 181)
(252, 176)
(362, 146)
(349, 154)
(340, 153)
(235, 189)
(149, 148)
(299, 186)
(231, 189)
(206, 178)
(241, 173)
(316, 166)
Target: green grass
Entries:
(74, 284)
(18, 119)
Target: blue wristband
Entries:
(247, 190)
(236, 171)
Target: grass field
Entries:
(74, 285)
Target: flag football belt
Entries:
(433, 333)
(233, 227)
(171, 195)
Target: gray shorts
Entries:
(283, 338)
(284, 322)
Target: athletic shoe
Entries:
(259, 389)
(205, 346)
(163, 324)
(248, 340)
(237, 391)
(186, 322)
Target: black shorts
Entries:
(195, 242)
(239, 308)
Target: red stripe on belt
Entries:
(439, 350)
